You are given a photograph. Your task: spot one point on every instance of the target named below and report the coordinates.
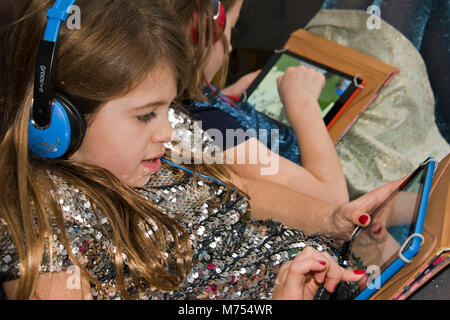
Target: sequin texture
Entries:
(234, 257)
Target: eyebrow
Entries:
(152, 105)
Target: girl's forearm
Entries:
(293, 209)
(317, 150)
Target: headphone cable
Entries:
(219, 95)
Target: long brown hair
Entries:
(119, 43)
(185, 9)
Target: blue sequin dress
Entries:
(284, 143)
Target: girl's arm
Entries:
(299, 89)
(293, 209)
(320, 175)
(272, 167)
(299, 211)
(238, 88)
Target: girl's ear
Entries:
(219, 19)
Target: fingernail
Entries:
(322, 262)
(359, 272)
(335, 288)
(363, 219)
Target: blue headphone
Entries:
(56, 126)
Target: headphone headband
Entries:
(56, 126)
(219, 13)
(43, 89)
(215, 4)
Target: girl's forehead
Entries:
(160, 82)
(158, 87)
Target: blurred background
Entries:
(265, 25)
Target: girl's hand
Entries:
(239, 87)
(300, 278)
(299, 86)
(358, 212)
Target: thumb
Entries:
(279, 79)
(371, 200)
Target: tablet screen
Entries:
(391, 224)
(263, 93)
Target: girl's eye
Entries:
(147, 117)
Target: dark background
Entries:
(265, 25)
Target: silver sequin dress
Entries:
(234, 257)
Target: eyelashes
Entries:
(147, 117)
(152, 115)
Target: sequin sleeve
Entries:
(88, 235)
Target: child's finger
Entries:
(298, 270)
(336, 274)
(353, 275)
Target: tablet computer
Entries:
(338, 92)
(394, 234)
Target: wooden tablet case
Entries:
(436, 232)
(374, 72)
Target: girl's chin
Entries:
(140, 182)
(150, 167)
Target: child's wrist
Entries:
(304, 111)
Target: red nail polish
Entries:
(359, 272)
(322, 262)
(363, 219)
(335, 288)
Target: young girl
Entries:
(396, 133)
(320, 175)
(107, 220)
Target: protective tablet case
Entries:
(375, 73)
(434, 255)
(412, 244)
(358, 84)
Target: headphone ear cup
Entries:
(76, 120)
(219, 20)
(63, 135)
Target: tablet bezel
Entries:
(339, 106)
(392, 265)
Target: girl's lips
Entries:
(153, 165)
(157, 157)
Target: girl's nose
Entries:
(164, 133)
